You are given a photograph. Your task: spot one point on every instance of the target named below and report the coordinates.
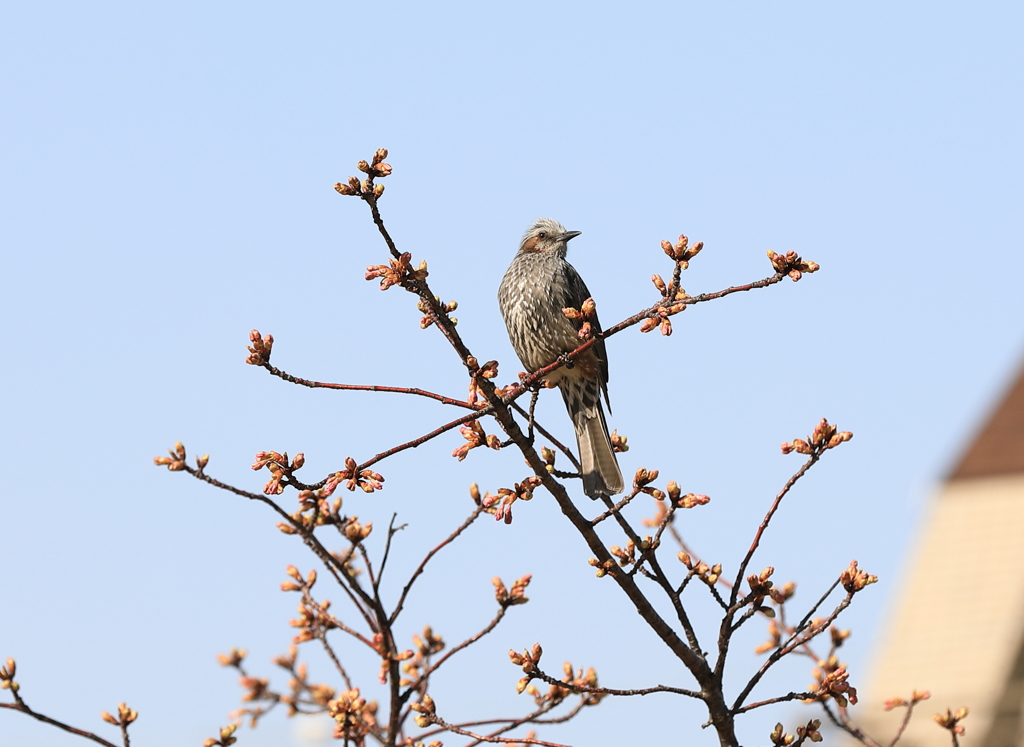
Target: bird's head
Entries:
(545, 236)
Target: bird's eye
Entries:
(542, 235)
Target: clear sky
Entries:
(166, 185)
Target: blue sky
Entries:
(167, 186)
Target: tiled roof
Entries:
(998, 448)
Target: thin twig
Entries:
(622, 503)
(423, 439)
(23, 708)
(465, 644)
(588, 690)
(387, 548)
(496, 740)
(336, 569)
(322, 635)
(423, 563)
(764, 523)
(792, 643)
(367, 388)
(779, 699)
(906, 720)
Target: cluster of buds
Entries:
(854, 580)
(426, 646)
(410, 742)
(582, 317)
(809, 732)
(256, 688)
(661, 319)
(366, 480)
(7, 676)
(260, 349)
(619, 442)
(374, 169)
(700, 569)
(674, 298)
(548, 455)
(354, 531)
(529, 661)
(397, 272)
(429, 314)
(825, 436)
(125, 716)
(313, 620)
(791, 264)
(679, 500)
(298, 583)
(681, 252)
(426, 709)
(510, 391)
(603, 568)
(232, 659)
(832, 682)
(916, 697)
(511, 597)
(314, 510)
(762, 586)
(839, 637)
(951, 721)
(226, 737)
(319, 694)
(501, 504)
(176, 461)
(287, 661)
(382, 645)
(626, 555)
(576, 680)
(354, 717)
(642, 483)
(280, 469)
(475, 436)
(679, 295)
(477, 372)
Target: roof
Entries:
(998, 449)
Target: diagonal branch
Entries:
(423, 564)
(23, 708)
(366, 387)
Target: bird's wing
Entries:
(576, 293)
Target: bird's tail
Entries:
(601, 475)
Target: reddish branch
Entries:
(593, 690)
(501, 405)
(795, 641)
(456, 649)
(365, 387)
(764, 524)
(445, 726)
(689, 653)
(23, 708)
(331, 563)
(423, 563)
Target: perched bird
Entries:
(537, 286)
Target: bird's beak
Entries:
(569, 235)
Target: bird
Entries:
(536, 287)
